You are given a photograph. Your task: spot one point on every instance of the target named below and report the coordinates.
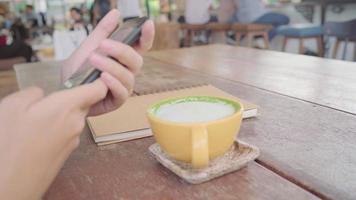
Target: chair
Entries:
(189, 30)
(343, 31)
(251, 31)
(218, 31)
(302, 32)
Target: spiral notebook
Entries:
(129, 121)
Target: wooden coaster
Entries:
(236, 158)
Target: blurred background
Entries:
(41, 30)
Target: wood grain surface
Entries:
(310, 144)
(323, 81)
(127, 171)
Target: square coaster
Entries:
(236, 158)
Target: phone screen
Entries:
(124, 30)
(122, 33)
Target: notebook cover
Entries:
(131, 116)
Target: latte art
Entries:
(195, 111)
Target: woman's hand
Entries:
(37, 135)
(118, 75)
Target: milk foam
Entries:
(195, 111)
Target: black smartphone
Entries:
(128, 32)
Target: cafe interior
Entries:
(289, 65)
(309, 27)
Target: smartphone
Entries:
(128, 32)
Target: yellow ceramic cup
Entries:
(196, 143)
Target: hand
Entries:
(118, 76)
(37, 135)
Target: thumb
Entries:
(87, 95)
(81, 97)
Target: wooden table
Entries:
(307, 146)
(307, 127)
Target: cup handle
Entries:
(200, 149)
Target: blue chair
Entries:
(344, 32)
(302, 32)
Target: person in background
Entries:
(77, 20)
(19, 31)
(226, 11)
(129, 9)
(99, 9)
(85, 13)
(38, 132)
(254, 11)
(16, 49)
(8, 17)
(198, 12)
(42, 19)
(3, 32)
(13, 40)
(30, 18)
(165, 8)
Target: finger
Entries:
(123, 53)
(89, 94)
(105, 27)
(26, 97)
(118, 94)
(147, 37)
(115, 69)
(82, 97)
(118, 91)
